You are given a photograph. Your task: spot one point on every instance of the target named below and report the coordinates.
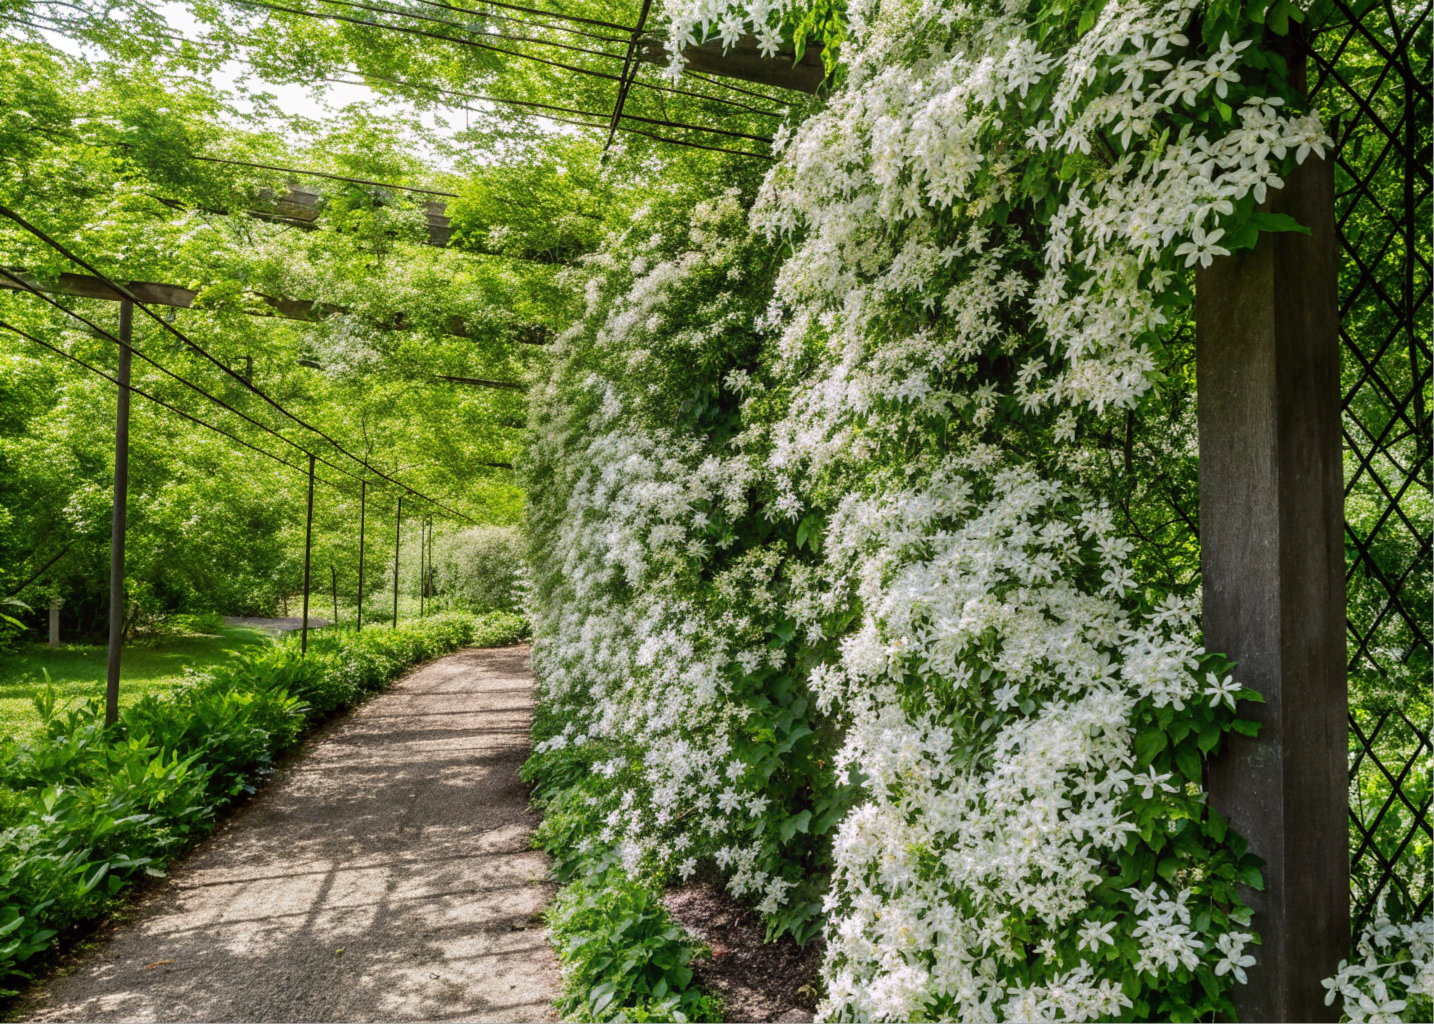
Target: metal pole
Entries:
(397, 542)
(117, 522)
(363, 511)
(422, 554)
(1272, 562)
(334, 581)
(308, 544)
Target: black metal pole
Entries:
(363, 511)
(334, 581)
(422, 553)
(397, 543)
(117, 522)
(308, 544)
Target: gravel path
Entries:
(384, 875)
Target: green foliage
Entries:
(624, 958)
(85, 809)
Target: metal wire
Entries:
(161, 402)
(26, 286)
(324, 174)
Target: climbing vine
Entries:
(824, 595)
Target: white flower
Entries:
(1202, 248)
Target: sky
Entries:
(320, 101)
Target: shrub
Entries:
(85, 808)
(479, 567)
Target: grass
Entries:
(149, 665)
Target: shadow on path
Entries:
(384, 875)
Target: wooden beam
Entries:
(1272, 560)
(153, 294)
(744, 60)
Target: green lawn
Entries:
(78, 670)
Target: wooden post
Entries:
(397, 542)
(117, 519)
(1272, 559)
(363, 511)
(54, 622)
(308, 544)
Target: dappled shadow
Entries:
(384, 875)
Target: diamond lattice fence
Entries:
(1370, 77)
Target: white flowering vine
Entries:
(803, 607)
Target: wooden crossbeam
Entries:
(743, 60)
(154, 294)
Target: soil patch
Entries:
(758, 981)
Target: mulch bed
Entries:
(757, 981)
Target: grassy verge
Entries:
(623, 957)
(151, 665)
(85, 808)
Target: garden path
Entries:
(383, 875)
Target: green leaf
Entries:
(1148, 744)
(1245, 727)
(1272, 222)
(1189, 764)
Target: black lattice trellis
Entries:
(1370, 78)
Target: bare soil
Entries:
(383, 875)
(758, 981)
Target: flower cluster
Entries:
(1395, 980)
(802, 607)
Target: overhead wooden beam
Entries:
(154, 294)
(744, 60)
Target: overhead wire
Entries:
(354, 4)
(520, 21)
(323, 174)
(579, 113)
(319, 16)
(165, 325)
(159, 401)
(121, 290)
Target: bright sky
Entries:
(318, 102)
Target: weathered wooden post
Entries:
(1272, 559)
(54, 622)
(117, 519)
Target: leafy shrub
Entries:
(84, 809)
(623, 956)
(479, 566)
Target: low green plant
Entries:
(86, 808)
(624, 958)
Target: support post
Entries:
(54, 622)
(334, 581)
(397, 542)
(117, 520)
(308, 544)
(363, 511)
(1272, 560)
(422, 554)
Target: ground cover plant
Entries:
(85, 809)
(152, 664)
